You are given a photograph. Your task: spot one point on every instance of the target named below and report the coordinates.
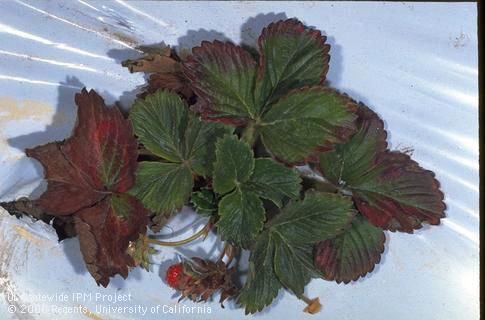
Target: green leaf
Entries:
(162, 187)
(318, 217)
(205, 202)
(241, 217)
(293, 263)
(292, 56)
(389, 188)
(261, 286)
(282, 254)
(166, 127)
(200, 139)
(160, 121)
(273, 181)
(234, 164)
(222, 75)
(241, 212)
(352, 254)
(305, 120)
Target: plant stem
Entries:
(144, 152)
(317, 184)
(305, 298)
(249, 134)
(202, 232)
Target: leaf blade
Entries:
(234, 163)
(306, 120)
(293, 264)
(241, 217)
(222, 75)
(352, 254)
(200, 139)
(160, 121)
(162, 187)
(262, 286)
(273, 181)
(317, 217)
(389, 188)
(291, 56)
(104, 236)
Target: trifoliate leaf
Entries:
(285, 103)
(389, 188)
(261, 286)
(302, 223)
(222, 76)
(352, 254)
(87, 177)
(291, 56)
(273, 181)
(241, 217)
(305, 120)
(244, 180)
(162, 187)
(234, 164)
(166, 127)
(204, 202)
(289, 240)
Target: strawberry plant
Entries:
(282, 165)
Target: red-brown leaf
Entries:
(87, 175)
(67, 189)
(388, 187)
(104, 236)
(352, 254)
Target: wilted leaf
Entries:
(389, 188)
(105, 231)
(154, 61)
(88, 175)
(352, 254)
(165, 71)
